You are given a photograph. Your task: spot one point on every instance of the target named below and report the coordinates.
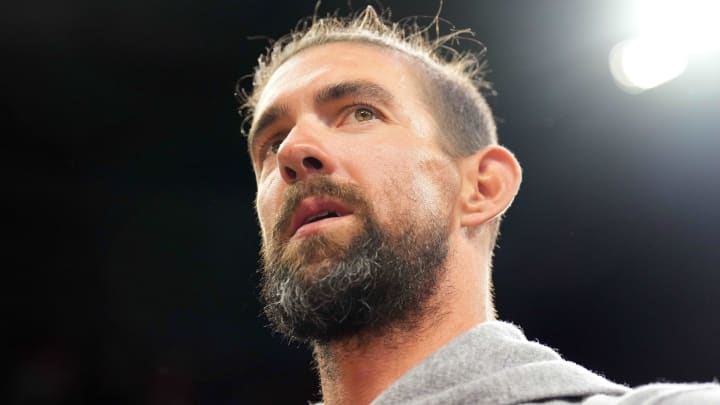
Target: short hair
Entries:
(451, 78)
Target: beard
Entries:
(317, 290)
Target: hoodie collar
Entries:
(495, 363)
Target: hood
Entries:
(494, 363)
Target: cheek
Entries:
(413, 185)
(266, 204)
(434, 187)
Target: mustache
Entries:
(318, 186)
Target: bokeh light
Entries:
(692, 24)
(669, 34)
(641, 64)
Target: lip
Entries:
(312, 206)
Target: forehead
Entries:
(338, 62)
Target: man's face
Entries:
(355, 199)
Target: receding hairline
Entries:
(367, 42)
(424, 71)
(352, 40)
(423, 42)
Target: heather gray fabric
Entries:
(655, 394)
(494, 363)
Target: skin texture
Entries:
(387, 149)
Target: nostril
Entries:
(312, 163)
(292, 174)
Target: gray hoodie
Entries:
(494, 363)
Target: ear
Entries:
(490, 180)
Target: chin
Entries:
(312, 253)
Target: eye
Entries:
(271, 146)
(363, 114)
(274, 146)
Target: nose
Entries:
(303, 154)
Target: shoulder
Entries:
(652, 394)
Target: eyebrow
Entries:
(328, 94)
(358, 88)
(269, 117)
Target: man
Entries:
(380, 190)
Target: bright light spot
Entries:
(669, 31)
(693, 23)
(641, 64)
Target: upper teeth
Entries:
(320, 215)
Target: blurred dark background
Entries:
(131, 244)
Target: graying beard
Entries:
(339, 304)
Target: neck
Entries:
(357, 370)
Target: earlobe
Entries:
(490, 180)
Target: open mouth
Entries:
(314, 210)
(321, 216)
